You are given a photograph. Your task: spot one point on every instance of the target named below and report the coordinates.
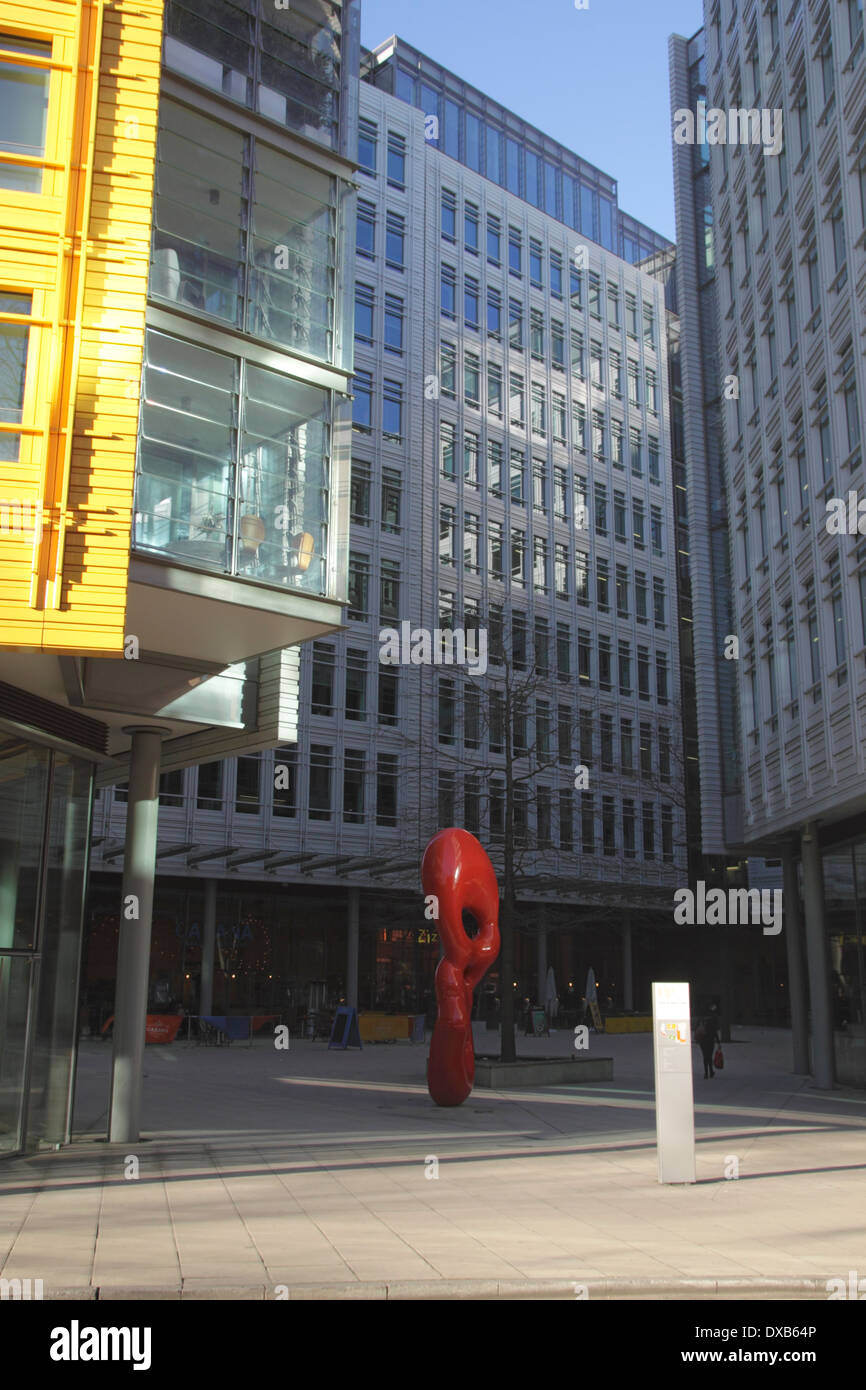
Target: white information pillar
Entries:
(675, 1106)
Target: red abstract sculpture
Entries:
(457, 870)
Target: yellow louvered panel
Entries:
(81, 249)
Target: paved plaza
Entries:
(317, 1173)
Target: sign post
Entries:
(675, 1106)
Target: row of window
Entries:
(510, 162)
(609, 830)
(538, 397)
(470, 554)
(358, 790)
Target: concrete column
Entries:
(133, 952)
(353, 913)
(208, 947)
(796, 968)
(541, 945)
(818, 957)
(627, 973)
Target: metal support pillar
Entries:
(796, 967)
(133, 952)
(352, 944)
(818, 957)
(208, 947)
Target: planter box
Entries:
(541, 1071)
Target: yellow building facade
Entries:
(76, 200)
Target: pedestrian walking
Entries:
(707, 1035)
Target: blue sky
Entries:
(594, 79)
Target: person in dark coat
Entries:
(708, 1036)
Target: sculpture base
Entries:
(492, 1074)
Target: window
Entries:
(388, 697)
(639, 522)
(210, 786)
(24, 89)
(594, 295)
(604, 663)
(517, 476)
(392, 409)
(447, 527)
(389, 589)
(577, 365)
(633, 384)
(622, 591)
(359, 586)
(447, 711)
(248, 784)
(539, 485)
(536, 333)
(364, 304)
(14, 340)
(624, 653)
(631, 315)
(396, 160)
(595, 368)
(539, 565)
(656, 531)
(392, 485)
(395, 234)
(515, 324)
(612, 304)
(518, 558)
(517, 400)
(587, 824)
(536, 252)
(386, 789)
(654, 460)
(598, 434)
(494, 240)
(368, 134)
(470, 228)
(514, 251)
(584, 656)
(659, 601)
(615, 373)
(649, 325)
(472, 379)
(575, 279)
(496, 721)
(662, 677)
(447, 467)
(538, 409)
(494, 313)
(601, 509)
(470, 459)
(563, 651)
(356, 684)
(556, 274)
(616, 445)
(561, 570)
(449, 215)
(321, 759)
(560, 493)
(448, 370)
(581, 578)
(643, 676)
(393, 323)
(494, 388)
(558, 417)
(495, 551)
(471, 542)
(353, 785)
(608, 828)
(470, 301)
(640, 596)
(557, 345)
(448, 294)
(322, 690)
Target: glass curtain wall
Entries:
(44, 834)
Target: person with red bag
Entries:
(707, 1035)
